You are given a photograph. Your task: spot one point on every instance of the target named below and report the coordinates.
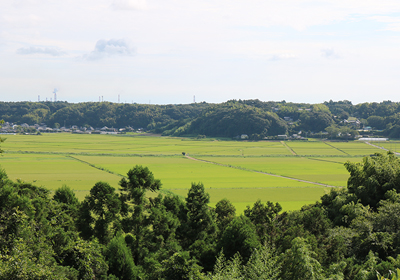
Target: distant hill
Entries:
(255, 118)
(232, 119)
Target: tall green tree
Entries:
(227, 269)
(68, 199)
(264, 263)
(87, 258)
(119, 259)
(263, 217)
(135, 205)
(299, 262)
(226, 212)
(164, 225)
(101, 207)
(180, 266)
(201, 228)
(241, 237)
(160, 243)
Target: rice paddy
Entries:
(291, 173)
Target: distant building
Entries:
(372, 139)
(353, 122)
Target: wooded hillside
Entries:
(254, 118)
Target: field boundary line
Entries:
(94, 166)
(336, 148)
(167, 155)
(324, 160)
(247, 188)
(287, 147)
(92, 154)
(261, 172)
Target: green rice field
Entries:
(312, 169)
(291, 173)
(54, 171)
(393, 146)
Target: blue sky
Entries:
(168, 51)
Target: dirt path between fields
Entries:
(94, 166)
(380, 147)
(287, 147)
(265, 173)
(336, 148)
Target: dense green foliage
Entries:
(233, 118)
(354, 233)
(1, 139)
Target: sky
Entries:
(180, 51)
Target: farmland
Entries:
(291, 173)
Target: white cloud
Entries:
(41, 50)
(329, 53)
(393, 23)
(109, 48)
(129, 4)
(282, 56)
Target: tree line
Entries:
(352, 233)
(255, 118)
